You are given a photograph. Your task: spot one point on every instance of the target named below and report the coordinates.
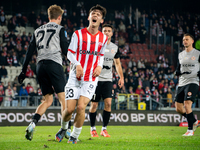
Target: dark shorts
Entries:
(187, 92)
(103, 90)
(50, 76)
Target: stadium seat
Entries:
(144, 46)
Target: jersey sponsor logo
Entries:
(188, 65)
(106, 50)
(90, 52)
(108, 59)
(100, 44)
(193, 58)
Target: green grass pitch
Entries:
(122, 138)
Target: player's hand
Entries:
(121, 82)
(79, 71)
(21, 77)
(97, 71)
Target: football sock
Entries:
(92, 118)
(64, 125)
(103, 128)
(76, 132)
(36, 118)
(69, 125)
(106, 118)
(92, 128)
(191, 120)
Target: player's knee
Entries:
(80, 108)
(107, 105)
(70, 111)
(94, 106)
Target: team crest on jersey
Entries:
(189, 93)
(112, 51)
(193, 58)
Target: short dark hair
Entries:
(101, 8)
(107, 25)
(188, 34)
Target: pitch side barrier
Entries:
(21, 117)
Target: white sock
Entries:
(33, 124)
(93, 128)
(103, 128)
(191, 131)
(64, 125)
(76, 132)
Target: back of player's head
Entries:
(107, 25)
(101, 8)
(188, 34)
(54, 11)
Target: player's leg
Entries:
(46, 87)
(93, 108)
(41, 109)
(179, 100)
(87, 90)
(71, 96)
(79, 119)
(190, 95)
(107, 96)
(106, 116)
(69, 109)
(92, 114)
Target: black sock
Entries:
(191, 120)
(92, 118)
(106, 118)
(36, 118)
(69, 124)
(184, 115)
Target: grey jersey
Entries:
(111, 52)
(189, 62)
(48, 42)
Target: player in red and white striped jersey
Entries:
(86, 54)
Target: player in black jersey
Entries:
(188, 86)
(50, 41)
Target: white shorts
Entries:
(74, 89)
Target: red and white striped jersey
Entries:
(87, 49)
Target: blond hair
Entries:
(54, 11)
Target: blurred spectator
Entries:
(5, 37)
(147, 94)
(10, 26)
(122, 27)
(142, 33)
(2, 19)
(15, 99)
(29, 72)
(15, 60)
(23, 93)
(9, 59)
(9, 94)
(38, 21)
(32, 95)
(140, 92)
(33, 66)
(29, 88)
(121, 41)
(169, 97)
(136, 38)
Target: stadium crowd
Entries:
(143, 76)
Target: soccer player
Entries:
(50, 41)
(86, 54)
(188, 84)
(104, 87)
